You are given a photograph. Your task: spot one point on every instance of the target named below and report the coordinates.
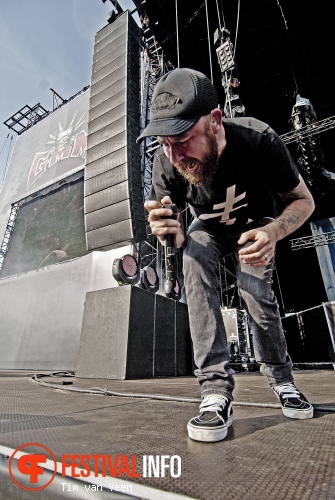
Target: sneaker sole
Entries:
(208, 435)
(298, 414)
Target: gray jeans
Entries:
(203, 250)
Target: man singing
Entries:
(228, 171)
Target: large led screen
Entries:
(49, 228)
(51, 150)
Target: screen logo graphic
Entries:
(67, 143)
(28, 467)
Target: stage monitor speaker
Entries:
(310, 334)
(113, 203)
(129, 333)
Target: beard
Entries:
(201, 172)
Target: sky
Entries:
(45, 44)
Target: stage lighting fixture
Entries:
(234, 82)
(126, 270)
(149, 279)
(225, 55)
(224, 49)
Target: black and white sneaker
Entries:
(294, 404)
(215, 416)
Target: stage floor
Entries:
(264, 456)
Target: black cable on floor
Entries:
(327, 407)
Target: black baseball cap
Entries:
(181, 97)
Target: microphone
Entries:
(170, 284)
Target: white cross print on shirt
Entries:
(228, 207)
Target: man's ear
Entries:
(216, 119)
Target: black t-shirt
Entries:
(254, 165)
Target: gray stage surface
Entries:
(264, 456)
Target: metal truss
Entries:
(225, 53)
(154, 65)
(10, 225)
(26, 117)
(309, 130)
(313, 241)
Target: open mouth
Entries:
(191, 170)
(192, 166)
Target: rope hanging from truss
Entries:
(209, 43)
(217, 8)
(282, 13)
(237, 25)
(177, 32)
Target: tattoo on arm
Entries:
(299, 206)
(290, 220)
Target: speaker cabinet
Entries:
(113, 204)
(130, 333)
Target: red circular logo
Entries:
(31, 464)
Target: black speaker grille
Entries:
(112, 195)
(121, 50)
(113, 160)
(103, 36)
(113, 205)
(114, 128)
(165, 337)
(114, 42)
(116, 235)
(109, 69)
(109, 116)
(112, 177)
(96, 153)
(114, 213)
(103, 101)
(110, 79)
(110, 57)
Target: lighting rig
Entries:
(149, 279)
(309, 130)
(225, 53)
(126, 270)
(241, 351)
(306, 135)
(311, 161)
(154, 65)
(232, 107)
(313, 241)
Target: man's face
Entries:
(195, 153)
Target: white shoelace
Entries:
(287, 390)
(213, 402)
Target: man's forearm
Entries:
(293, 217)
(299, 207)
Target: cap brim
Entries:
(166, 128)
